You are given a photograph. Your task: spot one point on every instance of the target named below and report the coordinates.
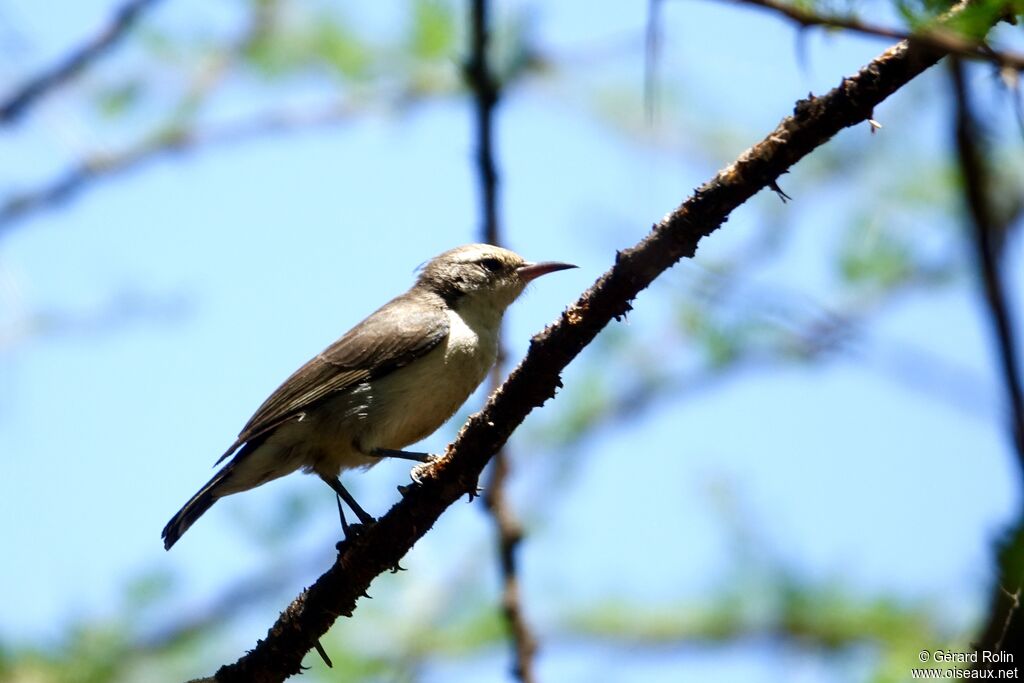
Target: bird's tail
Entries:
(195, 507)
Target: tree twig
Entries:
(938, 36)
(486, 93)
(122, 20)
(814, 121)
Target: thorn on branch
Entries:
(323, 654)
(774, 187)
(626, 308)
(804, 109)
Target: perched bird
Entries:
(392, 380)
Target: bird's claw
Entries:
(417, 472)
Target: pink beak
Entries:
(532, 271)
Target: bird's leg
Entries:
(402, 455)
(424, 459)
(343, 494)
(341, 516)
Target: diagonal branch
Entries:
(813, 122)
(938, 36)
(123, 19)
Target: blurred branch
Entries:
(123, 19)
(169, 142)
(178, 135)
(1002, 630)
(938, 37)
(986, 229)
(510, 535)
(676, 236)
(486, 93)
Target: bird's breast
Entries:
(412, 402)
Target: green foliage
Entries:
(481, 628)
(321, 41)
(872, 257)
(119, 99)
(589, 404)
(972, 22)
(719, 346)
(149, 588)
(350, 665)
(332, 42)
(815, 616)
(432, 31)
(91, 654)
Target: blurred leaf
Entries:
(588, 403)
(340, 48)
(433, 30)
(149, 588)
(483, 628)
(323, 41)
(161, 44)
(350, 665)
(976, 18)
(268, 54)
(873, 257)
(720, 345)
(118, 100)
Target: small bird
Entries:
(391, 381)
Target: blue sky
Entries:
(266, 251)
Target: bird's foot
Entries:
(353, 531)
(417, 472)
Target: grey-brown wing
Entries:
(398, 333)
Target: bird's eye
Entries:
(491, 264)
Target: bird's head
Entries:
(482, 273)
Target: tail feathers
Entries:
(194, 508)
